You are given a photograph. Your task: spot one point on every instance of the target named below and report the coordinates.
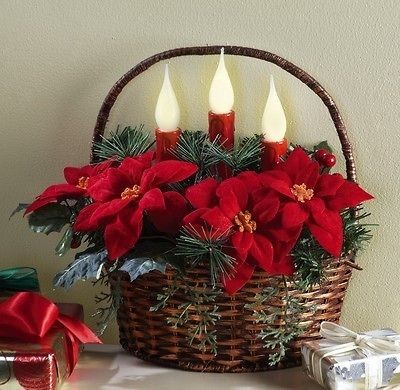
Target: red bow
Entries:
(28, 317)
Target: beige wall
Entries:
(59, 59)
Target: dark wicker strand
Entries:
(147, 335)
(294, 70)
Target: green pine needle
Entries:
(246, 157)
(309, 256)
(193, 147)
(210, 246)
(129, 142)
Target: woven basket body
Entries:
(147, 335)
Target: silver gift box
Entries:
(354, 370)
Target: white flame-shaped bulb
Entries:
(221, 96)
(167, 111)
(273, 123)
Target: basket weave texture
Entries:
(147, 335)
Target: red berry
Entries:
(329, 160)
(320, 154)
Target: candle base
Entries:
(272, 153)
(221, 127)
(166, 141)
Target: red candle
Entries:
(273, 125)
(222, 126)
(167, 117)
(221, 118)
(166, 143)
(272, 153)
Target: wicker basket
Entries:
(147, 335)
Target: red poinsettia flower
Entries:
(229, 207)
(312, 199)
(121, 196)
(77, 181)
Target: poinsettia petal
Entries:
(238, 278)
(54, 193)
(316, 206)
(328, 231)
(73, 174)
(217, 220)
(266, 209)
(195, 217)
(293, 214)
(62, 191)
(122, 234)
(349, 194)
(134, 167)
(108, 210)
(278, 181)
(152, 200)
(166, 172)
(241, 242)
(39, 203)
(327, 185)
(280, 234)
(203, 193)
(261, 251)
(84, 222)
(309, 174)
(169, 219)
(297, 162)
(251, 180)
(284, 267)
(110, 185)
(233, 197)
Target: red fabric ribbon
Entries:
(28, 317)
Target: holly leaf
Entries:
(323, 145)
(162, 250)
(142, 265)
(65, 243)
(20, 207)
(87, 265)
(50, 218)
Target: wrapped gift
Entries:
(39, 346)
(17, 279)
(345, 360)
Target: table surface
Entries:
(108, 367)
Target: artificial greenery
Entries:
(129, 142)
(199, 304)
(281, 320)
(247, 156)
(209, 246)
(310, 258)
(193, 146)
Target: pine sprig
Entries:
(246, 157)
(208, 246)
(310, 258)
(193, 147)
(281, 322)
(129, 142)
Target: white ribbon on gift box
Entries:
(346, 341)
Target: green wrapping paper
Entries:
(17, 279)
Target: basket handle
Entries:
(294, 70)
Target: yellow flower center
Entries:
(244, 222)
(130, 192)
(302, 193)
(83, 182)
